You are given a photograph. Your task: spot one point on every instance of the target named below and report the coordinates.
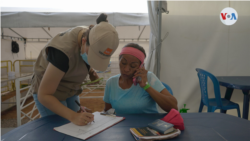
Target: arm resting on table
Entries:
(107, 107)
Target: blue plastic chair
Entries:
(217, 102)
(168, 88)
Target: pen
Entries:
(82, 108)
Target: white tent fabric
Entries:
(153, 60)
(198, 39)
(155, 37)
(128, 6)
(64, 19)
(38, 37)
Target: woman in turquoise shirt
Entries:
(126, 97)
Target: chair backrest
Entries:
(6, 67)
(25, 66)
(168, 88)
(202, 74)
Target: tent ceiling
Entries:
(31, 32)
(135, 6)
(66, 19)
(124, 32)
(8, 32)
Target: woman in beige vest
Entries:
(64, 63)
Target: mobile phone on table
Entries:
(135, 80)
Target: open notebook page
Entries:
(83, 132)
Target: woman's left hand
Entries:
(141, 72)
(93, 75)
(87, 110)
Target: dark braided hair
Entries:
(102, 18)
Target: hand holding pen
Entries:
(83, 109)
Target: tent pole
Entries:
(25, 41)
(2, 32)
(16, 32)
(159, 41)
(47, 32)
(141, 33)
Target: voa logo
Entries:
(228, 16)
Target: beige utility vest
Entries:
(69, 43)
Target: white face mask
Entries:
(84, 55)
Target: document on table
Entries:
(101, 123)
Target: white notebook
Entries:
(101, 123)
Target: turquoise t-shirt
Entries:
(134, 100)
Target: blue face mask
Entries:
(85, 57)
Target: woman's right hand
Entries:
(82, 118)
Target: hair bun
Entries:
(102, 18)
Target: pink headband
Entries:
(135, 52)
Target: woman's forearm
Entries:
(164, 101)
(47, 88)
(53, 104)
(107, 107)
